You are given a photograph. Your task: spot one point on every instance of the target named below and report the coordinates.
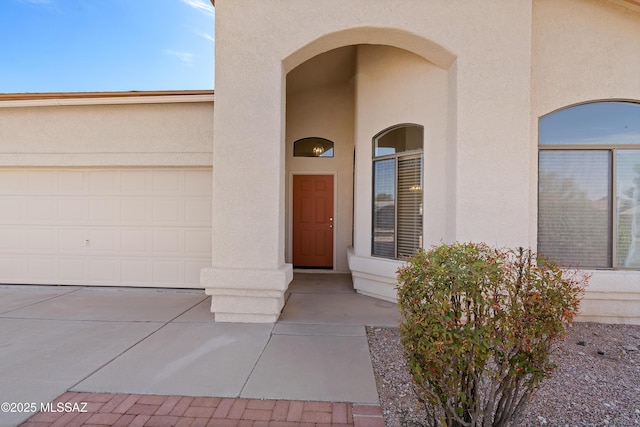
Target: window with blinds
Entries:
(397, 192)
(409, 206)
(574, 212)
(589, 185)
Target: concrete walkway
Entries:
(156, 345)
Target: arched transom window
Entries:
(313, 147)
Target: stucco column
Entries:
(493, 138)
(248, 276)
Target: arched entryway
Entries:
(349, 95)
(320, 104)
(346, 87)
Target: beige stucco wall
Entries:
(484, 48)
(168, 134)
(583, 50)
(587, 50)
(258, 44)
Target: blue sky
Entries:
(106, 45)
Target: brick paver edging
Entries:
(102, 409)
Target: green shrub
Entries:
(479, 327)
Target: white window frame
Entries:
(397, 158)
(613, 149)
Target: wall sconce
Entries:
(318, 150)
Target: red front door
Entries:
(313, 221)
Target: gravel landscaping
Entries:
(597, 382)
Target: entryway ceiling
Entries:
(330, 68)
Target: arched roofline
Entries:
(402, 39)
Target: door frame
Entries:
(289, 216)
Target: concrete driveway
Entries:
(55, 339)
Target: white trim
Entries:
(373, 276)
(336, 221)
(163, 99)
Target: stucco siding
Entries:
(257, 44)
(482, 52)
(583, 50)
(176, 134)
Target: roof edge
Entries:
(104, 98)
(85, 95)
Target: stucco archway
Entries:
(249, 156)
(363, 64)
(402, 39)
(453, 59)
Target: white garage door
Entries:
(119, 227)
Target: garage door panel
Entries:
(135, 182)
(166, 241)
(12, 238)
(197, 242)
(72, 270)
(142, 227)
(41, 209)
(12, 210)
(71, 211)
(166, 182)
(103, 211)
(104, 271)
(71, 240)
(134, 241)
(41, 239)
(198, 212)
(103, 241)
(13, 269)
(136, 272)
(71, 182)
(134, 211)
(166, 272)
(198, 183)
(103, 183)
(13, 182)
(166, 210)
(40, 182)
(41, 270)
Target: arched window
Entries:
(397, 191)
(589, 185)
(313, 147)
